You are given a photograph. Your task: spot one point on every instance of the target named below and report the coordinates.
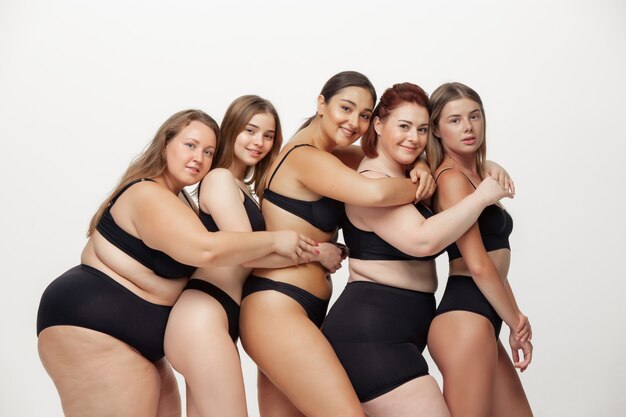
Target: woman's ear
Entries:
(321, 105)
(378, 125)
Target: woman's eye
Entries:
(404, 126)
(190, 145)
(345, 108)
(365, 116)
(208, 153)
(422, 130)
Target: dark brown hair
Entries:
(340, 81)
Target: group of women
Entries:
(163, 280)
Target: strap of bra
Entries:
(447, 169)
(188, 198)
(283, 160)
(126, 187)
(247, 196)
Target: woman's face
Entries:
(189, 154)
(403, 134)
(255, 141)
(461, 126)
(346, 116)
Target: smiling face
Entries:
(346, 116)
(403, 134)
(461, 127)
(189, 154)
(255, 141)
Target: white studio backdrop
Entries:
(84, 85)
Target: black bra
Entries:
(252, 210)
(159, 262)
(495, 225)
(369, 246)
(325, 214)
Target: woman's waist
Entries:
(501, 259)
(311, 277)
(229, 279)
(410, 275)
(140, 280)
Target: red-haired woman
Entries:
(379, 325)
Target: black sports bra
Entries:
(252, 210)
(326, 214)
(159, 262)
(495, 225)
(369, 246)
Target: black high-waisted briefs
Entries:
(462, 293)
(379, 333)
(86, 297)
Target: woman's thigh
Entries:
(198, 345)
(295, 355)
(419, 397)
(509, 398)
(97, 374)
(464, 347)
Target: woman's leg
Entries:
(272, 402)
(169, 398)
(418, 397)
(464, 348)
(198, 345)
(97, 374)
(294, 354)
(509, 398)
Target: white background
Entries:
(84, 85)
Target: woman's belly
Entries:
(410, 275)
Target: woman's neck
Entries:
(314, 135)
(238, 169)
(466, 163)
(384, 164)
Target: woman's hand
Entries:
(499, 174)
(523, 331)
(294, 245)
(492, 191)
(420, 175)
(527, 352)
(330, 256)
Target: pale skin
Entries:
(486, 385)
(197, 341)
(401, 138)
(99, 375)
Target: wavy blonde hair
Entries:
(152, 162)
(440, 97)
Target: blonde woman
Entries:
(101, 324)
(478, 296)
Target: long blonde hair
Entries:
(237, 117)
(440, 97)
(151, 162)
